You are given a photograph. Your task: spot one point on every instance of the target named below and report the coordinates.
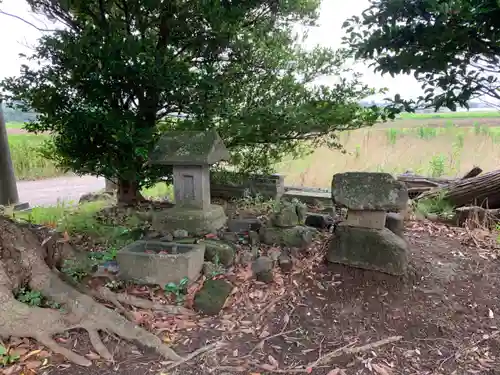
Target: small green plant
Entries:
(392, 135)
(35, 298)
(178, 290)
(29, 297)
(357, 152)
(437, 206)
(6, 358)
(75, 270)
(437, 165)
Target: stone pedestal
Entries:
(372, 249)
(370, 238)
(195, 221)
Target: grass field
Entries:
(444, 146)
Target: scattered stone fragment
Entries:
(210, 269)
(212, 296)
(219, 251)
(369, 191)
(167, 238)
(274, 254)
(246, 257)
(255, 250)
(230, 236)
(180, 233)
(243, 225)
(262, 268)
(319, 221)
(395, 223)
(288, 214)
(298, 236)
(285, 262)
(373, 249)
(99, 196)
(253, 238)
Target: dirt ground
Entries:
(442, 319)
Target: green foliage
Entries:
(123, 71)
(35, 298)
(452, 47)
(437, 165)
(6, 358)
(178, 290)
(436, 206)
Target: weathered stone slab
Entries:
(195, 221)
(309, 197)
(369, 191)
(366, 219)
(395, 223)
(212, 296)
(157, 262)
(298, 236)
(232, 185)
(372, 249)
(184, 147)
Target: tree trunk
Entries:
(110, 186)
(128, 193)
(23, 263)
(483, 190)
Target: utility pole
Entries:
(8, 186)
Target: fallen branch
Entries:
(196, 353)
(347, 350)
(325, 359)
(261, 343)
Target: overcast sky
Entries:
(17, 37)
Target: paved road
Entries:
(49, 192)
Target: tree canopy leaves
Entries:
(451, 46)
(124, 70)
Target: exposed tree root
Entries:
(21, 260)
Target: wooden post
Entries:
(8, 186)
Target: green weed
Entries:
(178, 290)
(437, 206)
(437, 165)
(34, 298)
(6, 358)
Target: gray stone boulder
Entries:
(262, 268)
(97, 196)
(297, 236)
(211, 298)
(219, 251)
(372, 249)
(288, 214)
(369, 191)
(395, 223)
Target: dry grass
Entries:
(446, 151)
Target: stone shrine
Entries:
(190, 153)
(363, 240)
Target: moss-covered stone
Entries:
(212, 296)
(373, 249)
(297, 236)
(288, 214)
(219, 251)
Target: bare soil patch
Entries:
(443, 318)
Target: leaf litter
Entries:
(333, 320)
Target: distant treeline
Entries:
(12, 115)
